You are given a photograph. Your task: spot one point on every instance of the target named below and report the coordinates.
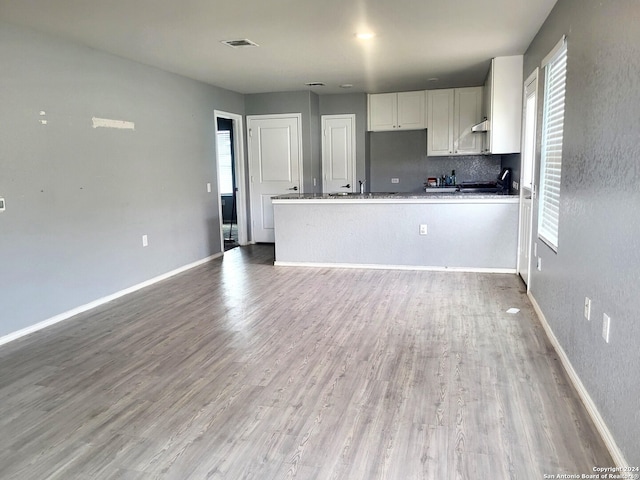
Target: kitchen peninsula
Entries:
(430, 231)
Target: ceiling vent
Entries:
(245, 42)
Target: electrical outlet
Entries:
(145, 240)
(423, 229)
(515, 185)
(315, 182)
(587, 308)
(606, 323)
(539, 263)
(2, 205)
(395, 180)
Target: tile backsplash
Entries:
(468, 168)
(403, 156)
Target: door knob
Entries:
(293, 188)
(346, 186)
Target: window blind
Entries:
(552, 135)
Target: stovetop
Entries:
(480, 187)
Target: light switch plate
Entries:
(587, 308)
(606, 325)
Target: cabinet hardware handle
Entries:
(346, 186)
(293, 188)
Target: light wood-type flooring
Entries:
(241, 370)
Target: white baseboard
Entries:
(374, 266)
(96, 303)
(599, 422)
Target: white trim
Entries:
(101, 301)
(592, 410)
(554, 51)
(373, 266)
(387, 200)
(241, 183)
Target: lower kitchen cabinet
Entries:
(451, 113)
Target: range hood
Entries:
(482, 126)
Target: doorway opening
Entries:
(227, 182)
(231, 180)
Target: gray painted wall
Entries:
(307, 104)
(355, 103)
(599, 232)
(403, 155)
(79, 199)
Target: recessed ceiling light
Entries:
(365, 35)
(243, 42)
(433, 79)
(314, 84)
(346, 85)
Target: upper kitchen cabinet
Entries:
(451, 113)
(396, 111)
(502, 106)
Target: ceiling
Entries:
(300, 41)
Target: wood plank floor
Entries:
(241, 370)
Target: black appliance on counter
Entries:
(500, 185)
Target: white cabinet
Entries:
(450, 115)
(503, 105)
(396, 111)
(440, 122)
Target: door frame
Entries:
(323, 120)
(241, 182)
(533, 78)
(298, 117)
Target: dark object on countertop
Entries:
(500, 185)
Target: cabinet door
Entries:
(487, 94)
(506, 105)
(440, 122)
(411, 110)
(468, 112)
(383, 111)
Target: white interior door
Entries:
(338, 153)
(275, 164)
(527, 170)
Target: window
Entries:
(552, 130)
(529, 131)
(225, 159)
